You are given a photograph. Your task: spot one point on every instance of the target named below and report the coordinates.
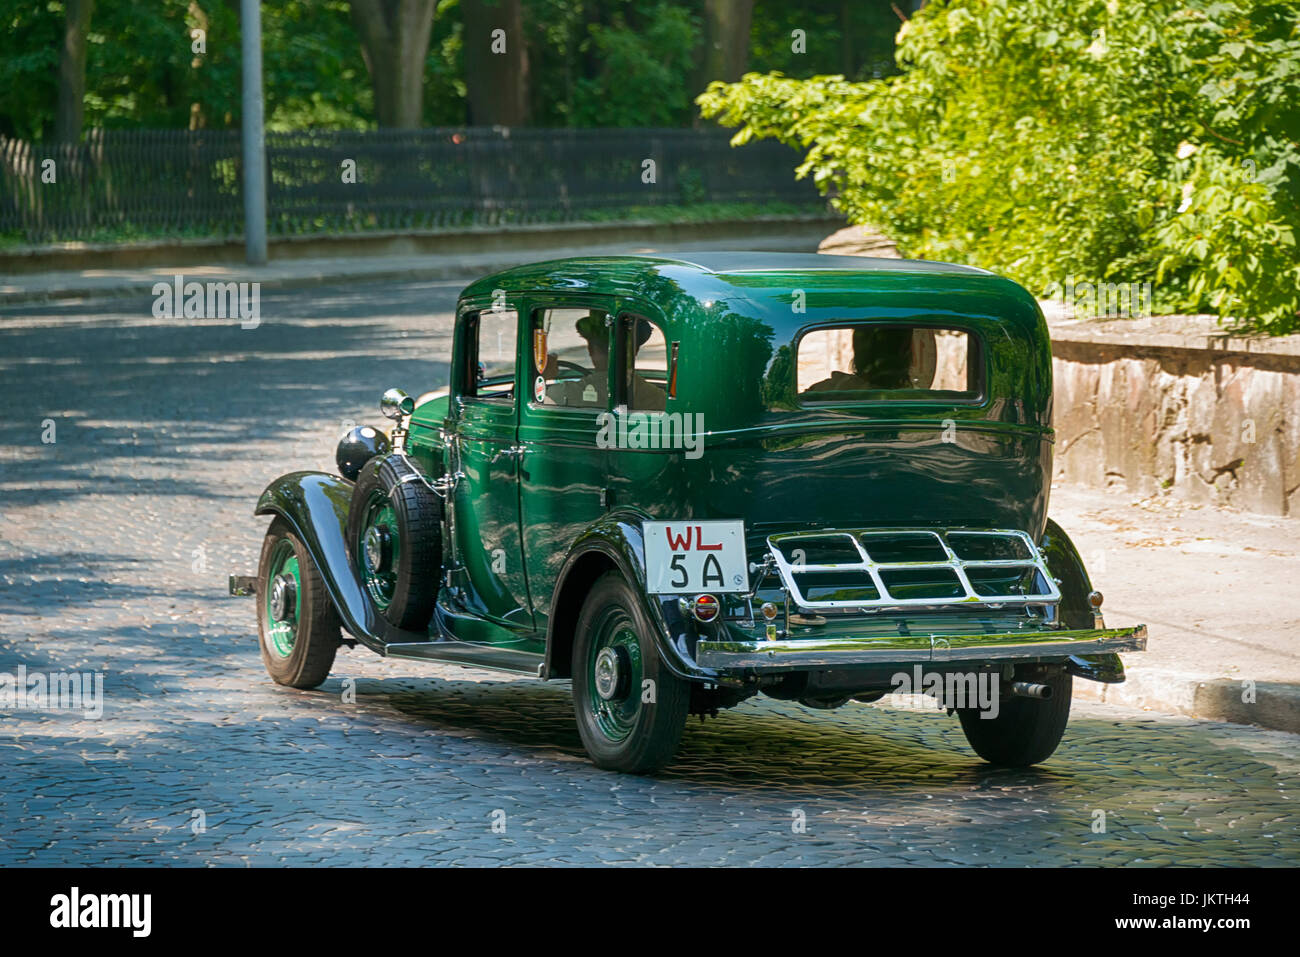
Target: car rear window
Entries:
(869, 362)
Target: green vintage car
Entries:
(683, 481)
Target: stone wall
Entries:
(1173, 405)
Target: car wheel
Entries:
(1026, 730)
(394, 538)
(631, 709)
(297, 625)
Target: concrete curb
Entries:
(346, 272)
(1276, 705)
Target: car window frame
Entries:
(623, 371)
(467, 322)
(980, 398)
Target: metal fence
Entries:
(120, 184)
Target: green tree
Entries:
(854, 38)
(142, 69)
(30, 39)
(1104, 140)
(642, 77)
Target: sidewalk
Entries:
(1219, 592)
(465, 256)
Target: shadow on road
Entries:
(131, 396)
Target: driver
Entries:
(591, 390)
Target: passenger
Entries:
(882, 359)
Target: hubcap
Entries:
(607, 673)
(614, 675)
(380, 550)
(283, 593)
(377, 547)
(283, 598)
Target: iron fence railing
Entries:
(123, 183)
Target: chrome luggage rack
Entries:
(966, 567)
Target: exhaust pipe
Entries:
(1030, 689)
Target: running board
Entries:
(492, 657)
(443, 645)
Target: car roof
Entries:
(759, 261)
(594, 271)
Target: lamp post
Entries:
(254, 136)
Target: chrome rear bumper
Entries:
(803, 654)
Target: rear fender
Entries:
(614, 542)
(1066, 566)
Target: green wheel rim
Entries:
(380, 579)
(616, 718)
(284, 561)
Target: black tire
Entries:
(404, 593)
(313, 626)
(653, 729)
(1026, 730)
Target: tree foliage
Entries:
(142, 69)
(590, 62)
(1100, 140)
(644, 71)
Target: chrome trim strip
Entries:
(871, 569)
(893, 649)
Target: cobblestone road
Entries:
(119, 535)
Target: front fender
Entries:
(615, 539)
(315, 504)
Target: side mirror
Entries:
(396, 404)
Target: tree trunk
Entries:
(726, 38)
(72, 71)
(394, 38)
(496, 64)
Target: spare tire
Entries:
(394, 537)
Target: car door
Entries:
(564, 483)
(655, 473)
(486, 519)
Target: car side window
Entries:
(492, 355)
(570, 357)
(645, 368)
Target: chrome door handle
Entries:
(516, 451)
